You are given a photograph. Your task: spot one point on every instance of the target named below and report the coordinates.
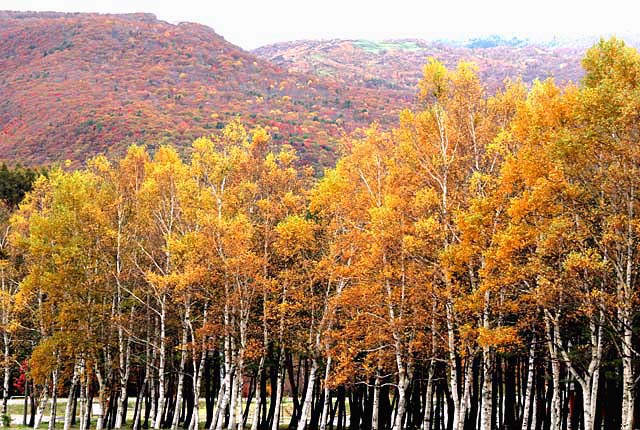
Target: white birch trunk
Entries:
(427, 422)
(232, 404)
(68, 410)
(625, 316)
(256, 411)
(183, 361)
(628, 376)
(138, 410)
(195, 417)
(83, 397)
(124, 352)
(161, 367)
(54, 399)
(327, 397)
(87, 407)
(487, 372)
(239, 421)
(555, 418)
(308, 395)
(6, 368)
(239, 384)
(152, 384)
(124, 348)
(219, 421)
(228, 380)
(5, 337)
(589, 378)
(198, 368)
(403, 383)
(151, 378)
(375, 413)
(280, 382)
(527, 408)
(458, 413)
(102, 399)
(468, 380)
(534, 414)
(42, 404)
(487, 389)
(216, 411)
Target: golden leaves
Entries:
(435, 82)
(295, 236)
(500, 338)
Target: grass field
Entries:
(377, 47)
(15, 409)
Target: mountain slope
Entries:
(73, 85)
(398, 64)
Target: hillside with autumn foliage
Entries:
(74, 85)
(397, 64)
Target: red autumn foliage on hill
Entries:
(74, 85)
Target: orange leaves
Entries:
(44, 359)
(502, 339)
(259, 140)
(324, 196)
(435, 82)
(295, 236)
(612, 62)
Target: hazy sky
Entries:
(254, 23)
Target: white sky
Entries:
(254, 23)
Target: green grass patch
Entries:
(377, 47)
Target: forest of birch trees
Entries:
(474, 268)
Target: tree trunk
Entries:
(327, 396)
(239, 380)
(102, 399)
(555, 418)
(628, 377)
(183, 362)
(375, 413)
(124, 352)
(54, 399)
(459, 408)
(404, 378)
(7, 371)
(83, 392)
(198, 371)
(235, 406)
(279, 386)
(534, 411)
(223, 401)
(157, 422)
(625, 316)
(428, 398)
(256, 412)
(308, 396)
(293, 384)
(137, 413)
(44, 399)
(487, 373)
(69, 410)
(26, 399)
(528, 408)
